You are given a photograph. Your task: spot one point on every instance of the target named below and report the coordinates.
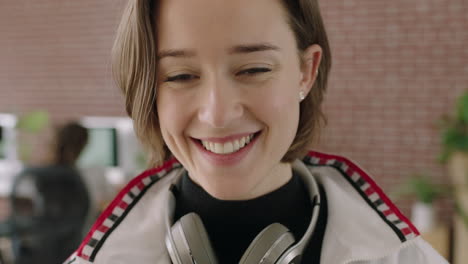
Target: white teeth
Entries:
(242, 142)
(236, 145)
(218, 148)
(228, 147)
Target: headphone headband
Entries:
(292, 254)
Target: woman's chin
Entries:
(230, 192)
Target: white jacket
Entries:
(363, 225)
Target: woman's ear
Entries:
(309, 69)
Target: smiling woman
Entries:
(226, 96)
(235, 79)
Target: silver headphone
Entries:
(188, 243)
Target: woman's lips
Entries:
(227, 159)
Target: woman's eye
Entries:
(254, 71)
(180, 78)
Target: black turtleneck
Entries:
(232, 225)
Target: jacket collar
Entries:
(362, 222)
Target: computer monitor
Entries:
(8, 146)
(112, 143)
(2, 143)
(10, 165)
(102, 148)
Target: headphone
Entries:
(187, 240)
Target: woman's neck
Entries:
(241, 188)
(232, 225)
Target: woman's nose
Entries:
(220, 105)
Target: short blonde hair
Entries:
(134, 62)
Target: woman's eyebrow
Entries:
(238, 49)
(176, 54)
(249, 48)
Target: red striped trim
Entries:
(135, 182)
(123, 205)
(103, 229)
(373, 186)
(369, 191)
(407, 231)
(387, 212)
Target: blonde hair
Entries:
(134, 62)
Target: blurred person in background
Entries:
(227, 97)
(50, 204)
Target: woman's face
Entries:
(229, 77)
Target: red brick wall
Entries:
(398, 67)
(55, 56)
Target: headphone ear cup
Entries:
(191, 240)
(269, 245)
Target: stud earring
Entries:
(301, 95)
